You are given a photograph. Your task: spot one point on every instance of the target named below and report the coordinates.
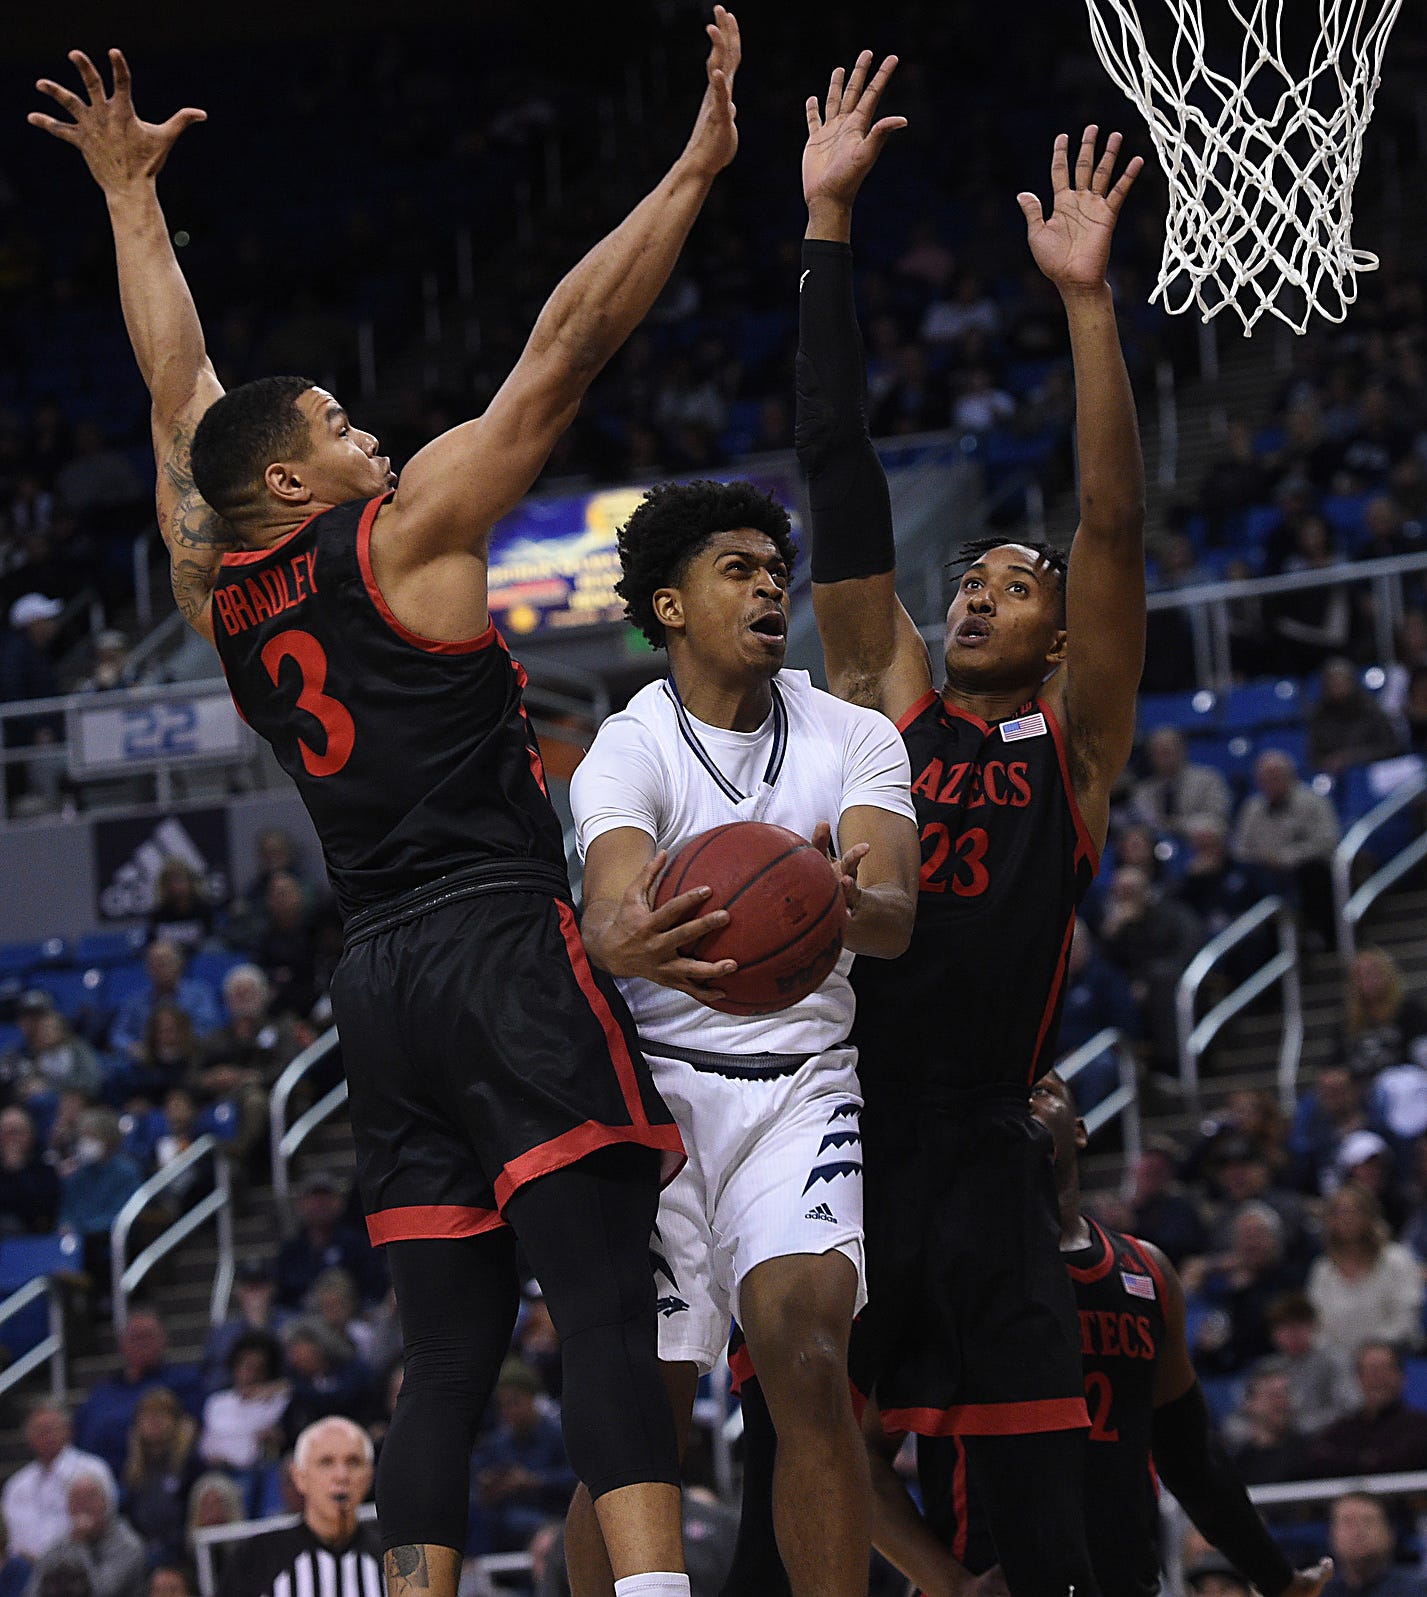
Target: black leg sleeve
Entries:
(457, 1301)
(1031, 1490)
(847, 488)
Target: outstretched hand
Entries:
(714, 141)
(843, 140)
(846, 868)
(1073, 247)
(119, 149)
(1310, 1582)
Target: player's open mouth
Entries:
(973, 632)
(772, 625)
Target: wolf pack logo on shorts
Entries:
(129, 854)
(839, 1137)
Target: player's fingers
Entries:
(1117, 195)
(699, 971)
(834, 95)
(47, 124)
(1060, 164)
(1085, 161)
(854, 857)
(856, 81)
(1100, 181)
(815, 120)
(884, 130)
(1031, 209)
(873, 92)
(732, 36)
(123, 79)
(189, 117)
(88, 75)
(65, 97)
(686, 933)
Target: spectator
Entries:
(97, 479)
(537, 1342)
(66, 1573)
(1320, 1377)
(1414, 710)
(1291, 831)
(1366, 1161)
(108, 1413)
(970, 310)
(1216, 887)
(1262, 1434)
(26, 669)
(101, 1183)
(1097, 995)
(163, 963)
(159, 1470)
(176, 1129)
(333, 1299)
(50, 1059)
(1363, 1285)
(980, 406)
(1239, 1289)
(242, 1059)
(29, 1188)
(522, 1477)
(1151, 940)
(181, 913)
(276, 851)
(323, 1240)
(1243, 1175)
(1346, 726)
(36, 1497)
(101, 1536)
(1310, 624)
(1237, 480)
(173, 1579)
(1161, 1211)
(1383, 1023)
(1361, 1539)
(255, 1289)
(332, 1469)
(111, 663)
(1382, 1435)
(215, 1499)
(242, 1424)
(1176, 792)
(325, 1378)
(286, 945)
(1332, 1110)
(168, 1055)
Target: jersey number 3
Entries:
(968, 875)
(334, 716)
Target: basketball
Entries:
(787, 913)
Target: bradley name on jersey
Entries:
(252, 600)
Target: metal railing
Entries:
(287, 1139)
(1123, 1101)
(1349, 905)
(216, 1205)
(49, 1349)
(1194, 1038)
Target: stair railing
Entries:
(1123, 1102)
(216, 1205)
(50, 1348)
(1195, 1038)
(1351, 906)
(287, 1139)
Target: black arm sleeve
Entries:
(847, 488)
(1193, 1465)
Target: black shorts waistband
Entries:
(737, 1067)
(502, 876)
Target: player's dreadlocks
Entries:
(669, 527)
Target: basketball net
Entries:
(1261, 162)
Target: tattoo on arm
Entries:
(406, 1570)
(193, 523)
(192, 586)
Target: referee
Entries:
(327, 1553)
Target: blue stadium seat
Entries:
(21, 959)
(70, 989)
(23, 1258)
(1190, 713)
(213, 964)
(1270, 702)
(108, 948)
(1414, 1386)
(10, 1037)
(1354, 794)
(1345, 514)
(123, 981)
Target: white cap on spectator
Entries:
(31, 607)
(1360, 1146)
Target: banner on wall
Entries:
(130, 853)
(554, 562)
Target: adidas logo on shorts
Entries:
(820, 1211)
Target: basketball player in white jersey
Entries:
(765, 1220)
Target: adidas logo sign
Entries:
(820, 1211)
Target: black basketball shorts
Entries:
(970, 1327)
(482, 1051)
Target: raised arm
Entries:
(124, 156)
(460, 484)
(873, 652)
(1105, 586)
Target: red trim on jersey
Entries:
(917, 710)
(424, 1222)
(965, 715)
(1082, 831)
(1137, 1247)
(740, 1369)
(1052, 996)
(958, 1503)
(570, 1146)
(1101, 1268)
(482, 640)
(532, 747)
(618, 1048)
(248, 557)
(992, 1419)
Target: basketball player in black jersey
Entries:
(1148, 1419)
(496, 1084)
(970, 1331)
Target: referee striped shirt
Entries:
(295, 1563)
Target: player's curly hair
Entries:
(672, 523)
(241, 435)
(1049, 555)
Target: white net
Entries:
(1261, 151)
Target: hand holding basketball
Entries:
(119, 149)
(1073, 247)
(843, 141)
(646, 941)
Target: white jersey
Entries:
(656, 768)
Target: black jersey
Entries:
(414, 757)
(975, 1000)
(1119, 1296)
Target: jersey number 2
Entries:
(334, 716)
(1099, 1396)
(969, 877)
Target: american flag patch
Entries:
(1027, 726)
(1138, 1286)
